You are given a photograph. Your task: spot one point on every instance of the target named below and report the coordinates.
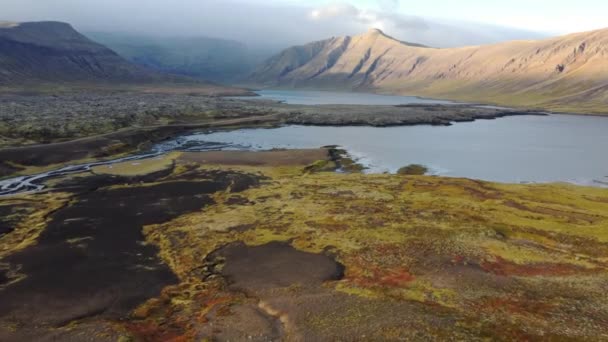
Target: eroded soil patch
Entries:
(274, 265)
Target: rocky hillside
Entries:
(568, 73)
(55, 52)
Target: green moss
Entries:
(349, 165)
(343, 161)
(413, 170)
(321, 166)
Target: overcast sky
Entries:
(276, 23)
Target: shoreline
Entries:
(345, 160)
(233, 114)
(40, 133)
(455, 100)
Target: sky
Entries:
(547, 16)
(281, 23)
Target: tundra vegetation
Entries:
(375, 257)
(413, 170)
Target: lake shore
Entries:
(41, 131)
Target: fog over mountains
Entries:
(54, 52)
(212, 59)
(268, 25)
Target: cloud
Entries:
(385, 19)
(334, 11)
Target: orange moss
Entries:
(210, 304)
(515, 306)
(370, 277)
(502, 267)
(151, 331)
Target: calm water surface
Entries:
(329, 97)
(553, 148)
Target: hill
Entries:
(53, 56)
(55, 52)
(565, 73)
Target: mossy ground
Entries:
(413, 170)
(503, 260)
(425, 257)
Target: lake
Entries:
(305, 97)
(554, 148)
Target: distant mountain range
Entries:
(568, 73)
(217, 60)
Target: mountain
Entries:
(35, 52)
(568, 73)
(205, 58)
(324, 63)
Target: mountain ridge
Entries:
(561, 73)
(51, 51)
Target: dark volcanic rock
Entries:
(3, 277)
(12, 214)
(92, 260)
(6, 169)
(6, 224)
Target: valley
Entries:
(161, 187)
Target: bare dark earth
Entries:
(263, 274)
(12, 214)
(3, 277)
(6, 169)
(6, 223)
(91, 260)
(274, 265)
